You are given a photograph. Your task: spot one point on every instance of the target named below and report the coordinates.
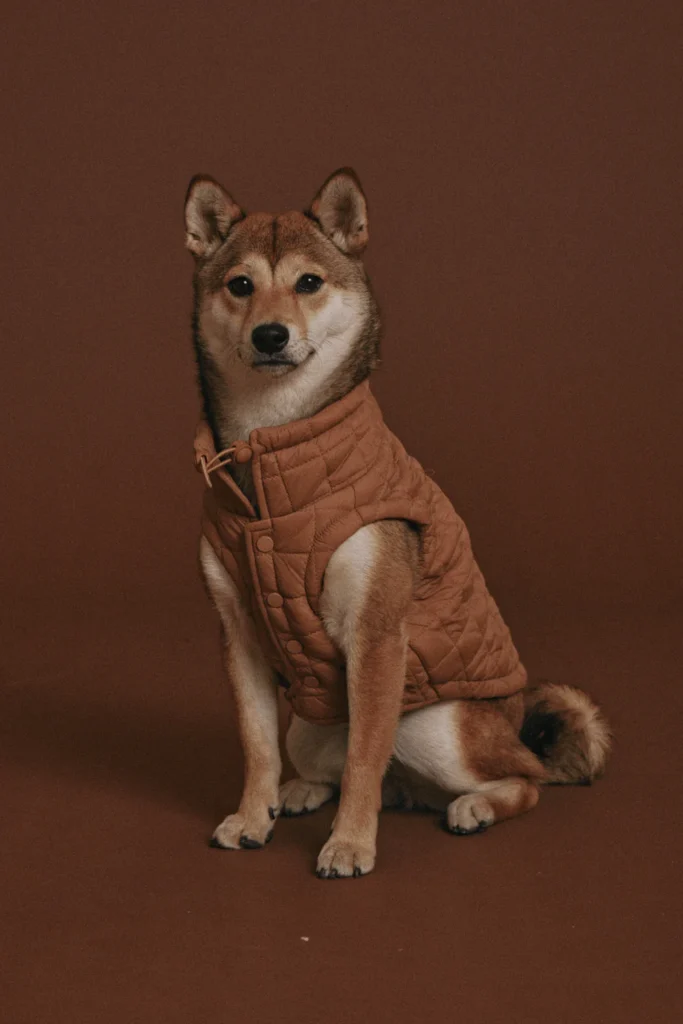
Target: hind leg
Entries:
(470, 750)
(318, 752)
(474, 812)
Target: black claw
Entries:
(215, 844)
(333, 873)
(250, 844)
(457, 830)
(327, 873)
(272, 813)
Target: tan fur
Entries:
(476, 811)
(210, 213)
(490, 742)
(467, 746)
(581, 737)
(464, 757)
(463, 749)
(341, 210)
(369, 625)
(256, 698)
(334, 333)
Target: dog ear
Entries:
(209, 214)
(341, 211)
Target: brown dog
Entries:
(339, 569)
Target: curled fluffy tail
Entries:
(567, 731)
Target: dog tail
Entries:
(567, 731)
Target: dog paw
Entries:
(469, 814)
(301, 797)
(238, 832)
(341, 858)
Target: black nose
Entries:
(270, 338)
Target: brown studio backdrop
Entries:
(525, 233)
(522, 165)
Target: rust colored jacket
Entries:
(317, 481)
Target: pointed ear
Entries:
(342, 212)
(209, 214)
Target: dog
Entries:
(338, 568)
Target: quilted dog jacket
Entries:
(317, 481)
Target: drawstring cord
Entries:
(223, 458)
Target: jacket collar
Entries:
(295, 464)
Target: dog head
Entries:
(280, 296)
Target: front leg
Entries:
(255, 690)
(368, 590)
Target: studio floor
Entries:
(120, 756)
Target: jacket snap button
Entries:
(294, 647)
(265, 544)
(275, 600)
(243, 454)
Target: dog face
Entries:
(281, 295)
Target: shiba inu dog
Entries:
(338, 569)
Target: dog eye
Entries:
(309, 283)
(240, 286)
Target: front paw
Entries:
(244, 832)
(345, 858)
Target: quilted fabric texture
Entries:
(317, 481)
